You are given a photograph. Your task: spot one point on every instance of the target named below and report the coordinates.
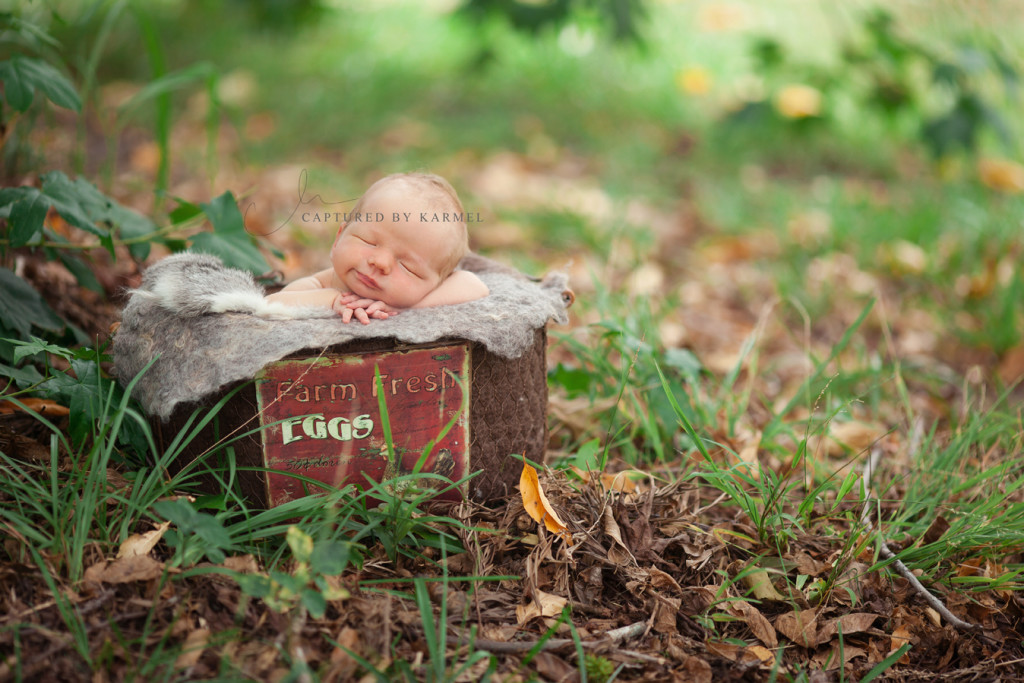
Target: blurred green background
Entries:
(827, 151)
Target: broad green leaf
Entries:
(80, 270)
(229, 240)
(17, 90)
(83, 205)
(36, 345)
(22, 76)
(9, 195)
(132, 225)
(587, 456)
(224, 214)
(314, 602)
(329, 558)
(185, 211)
(83, 393)
(23, 377)
(31, 35)
(575, 381)
(300, 542)
(212, 531)
(217, 502)
(255, 585)
(290, 585)
(22, 308)
(67, 197)
(51, 83)
(27, 216)
(177, 511)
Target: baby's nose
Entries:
(381, 262)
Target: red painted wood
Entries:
(321, 418)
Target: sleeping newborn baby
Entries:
(398, 249)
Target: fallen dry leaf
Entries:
(541, 604)
(736, 653)
(193, 649)
(901, 635)
(246, 564)
(760, 584)
(621, 482)
(664, 581)
(124, 570)
(696, 670)
(1011, 368)
(800, 626)
(142, 544)
(845, 437)
(611, 528)
(665, 612)
(828, 660)
(759, 625)
(554, 668)
(42, 406)
(849, 623)
(343, 666)
(537, 505)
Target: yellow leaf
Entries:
(542, 605)
(760, 584)
(1002, 174)
(798, 101)
(537, 505)
(694, 80)
(141, 544)
(195, 644)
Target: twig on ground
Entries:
(515, 647)
(886, 553)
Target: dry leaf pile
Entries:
(662, 580)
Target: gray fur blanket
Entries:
(208, 326)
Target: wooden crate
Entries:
(318, 415)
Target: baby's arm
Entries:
(311, 290)
(459, 287)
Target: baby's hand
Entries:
(349, 305)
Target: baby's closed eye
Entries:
(409, 270)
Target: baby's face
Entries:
(397, 259)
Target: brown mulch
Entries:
(664, 559)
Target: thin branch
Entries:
(515, 647)
(886, 553)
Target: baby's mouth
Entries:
(367, 280)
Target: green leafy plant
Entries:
(622, 17)
(35, 219)
(879, 69)
(23, 77)
(306, 585)
(38, 495)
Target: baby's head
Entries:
(434, 196)
(404, 236)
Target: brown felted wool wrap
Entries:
(203, 328)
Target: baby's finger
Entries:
(360, 303)
(361, 314)
(346, 315)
